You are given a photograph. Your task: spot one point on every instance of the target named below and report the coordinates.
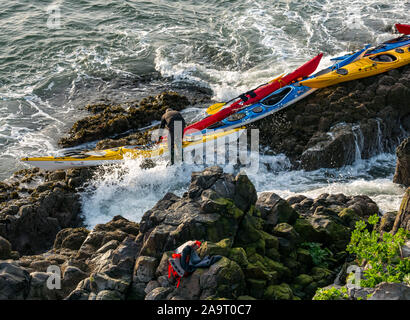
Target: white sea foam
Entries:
(130, 191)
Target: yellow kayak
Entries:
(117, 155)
(362, 68)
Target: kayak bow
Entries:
(362, 68)
(403, 28)
(256, 95)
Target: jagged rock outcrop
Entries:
(336, 125)
(40, 205)
(14, 281)
(402, 174)
(268, 246)
(110, 120)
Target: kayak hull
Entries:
(361, 68)
(261, 109)
(264, 108)
(119, 155)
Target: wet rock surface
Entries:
(336, 125)
(266, 241)
(42, 205)
(266, 245)
(111, 120)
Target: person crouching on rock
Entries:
(175, 123)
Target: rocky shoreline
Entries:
(268, 245)
(272, 248)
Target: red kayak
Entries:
(256, 95)
(403, 28)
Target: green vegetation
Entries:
(380, 254)
(319, 255)
(331, 294)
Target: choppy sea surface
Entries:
(57, 56)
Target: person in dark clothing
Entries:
(175, 123)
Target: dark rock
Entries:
(151, 286)
(402, 174)
(406, 249)
(260, 241)
(71, 277)
(108, 295)
(387, 221)
(31, 223)
(275, 210)
(159, 293)
(145, 269)
(286, 231)
(78, 294)
(70, 238)
(14, 281)
(331, 150)
(114, 120)
(5, 249)
(57, 175)
(331, 232)
(278, 292)
(223, 279)
(349, 217)
(39, 289)
(168, 224)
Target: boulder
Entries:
(71, 277)
(331, 150)
(151, 286)
(70, 238)
(275, 210)
(331, 232)
(145, 267)
(14, 281)
(39, 289)
(223, 279)
(387, 221)
(108, 295)
(101, 281)
(391, 291)
(406, 249)
(278, 292)
(5, 249)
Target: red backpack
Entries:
(174, 263)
